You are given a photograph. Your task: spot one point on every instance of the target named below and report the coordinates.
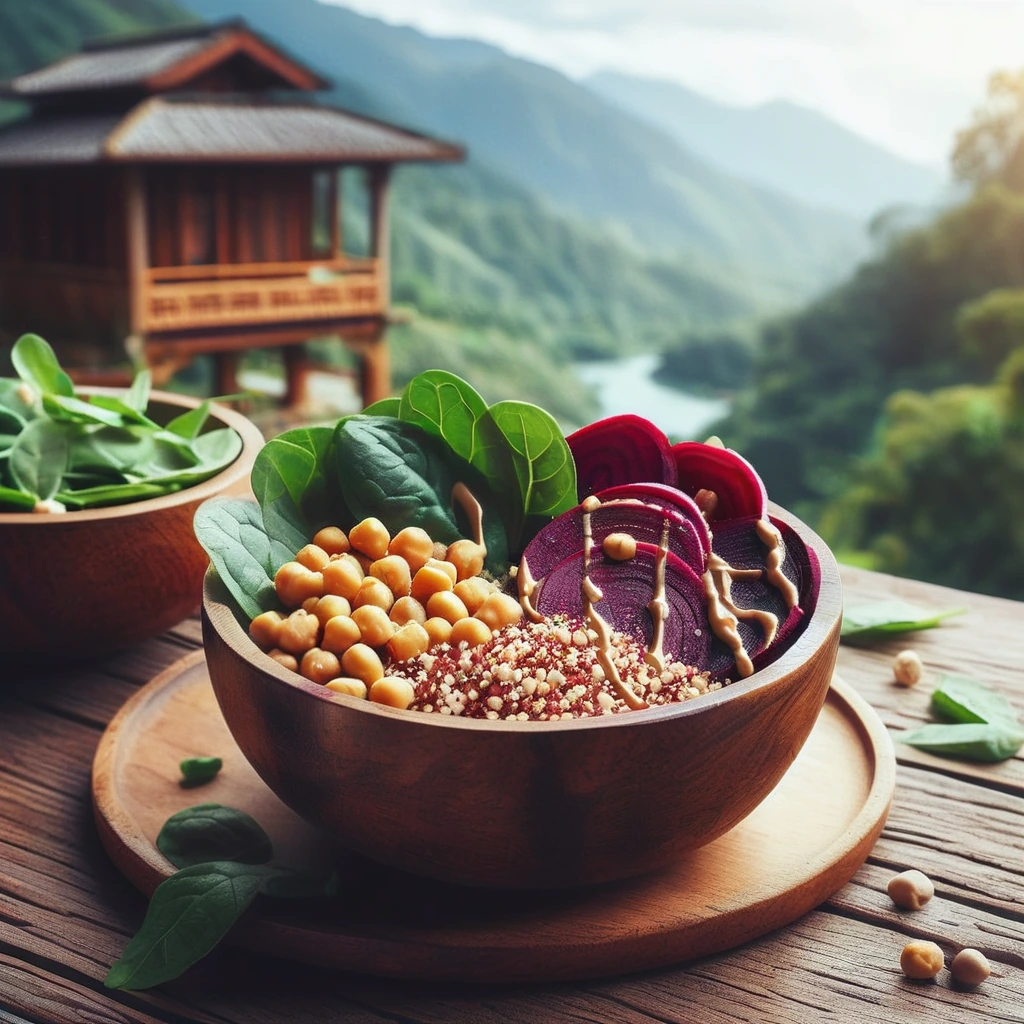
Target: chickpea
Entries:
(265, 629)
(299, 632)
(362, 662)
(332, 539)
(910, 890)
(319, 665)
(907, 668)
(970, 967)
(313, 557)
(408, 642)
(438, 630)
(370, 537)
(294, 583)
(353, 559)
(340, 633)
(445, 566)
(351, 687)
(921, 960)
(372, 591)
(363, 561)
(440, 551)
(394, 572)
(309, 605)
(468, 558)
(329, 606)
(375, 628)
(472, 630)
(289, 661)
(429, 580)
(414, 545)
(620, 547)
(342, 578)
(473, 592)
(407, 609)
(447, 606)
(393, 691)
(499, 610)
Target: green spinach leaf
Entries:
(231, 532)
(39, 458)
(978, 741)
(137, 397)
(445, 406)
(213, 832)
(74, 410)
(35, 363)
(16, 501)
(188, 424)
(189, 913)
(197, 771)
(384, 407)
(880, 619)
(959, 699)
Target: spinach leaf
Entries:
(293, 479)
(217, 449)
(12, 399)
(137, 397)
(958, 699)
(231, 532)
(74, 410)
(385, 407)
(197, 771)
(16, 501)
(543, 463)
(39, 457)
(127, 413)
(35, 363)
(880, 619)
(110, 494)
(189, 913)
(117, 448)
(213, 832)
(445, 406)
(977, 741)
(397, 472)
(188, 424)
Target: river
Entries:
(626, 385)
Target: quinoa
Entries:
(539, 672)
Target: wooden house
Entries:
(177, 193)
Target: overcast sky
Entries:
(906, 73)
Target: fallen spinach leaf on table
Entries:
(212, 831)
(196, 771)
(878, 620)
(981, 724)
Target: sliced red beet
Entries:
(710, 468)
(627, 588)
(664, 496)
(642, 521)
(620, 450)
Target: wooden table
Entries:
(66, 913)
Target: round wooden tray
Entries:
(797, 848)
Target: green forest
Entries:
(890, 411)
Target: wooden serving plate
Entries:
(797, 848)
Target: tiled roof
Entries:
(160, 130)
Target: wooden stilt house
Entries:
(176, 194)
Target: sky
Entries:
(904, 73)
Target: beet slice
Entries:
(620, 450)
(642, 521)
(708, 467)
(627, 588)
(666, 497)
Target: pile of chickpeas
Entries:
(363, 600)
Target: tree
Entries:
(990, 149)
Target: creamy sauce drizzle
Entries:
(526, 585)
(591, 594)
(474, 512)
(772, 539)
(658, 606)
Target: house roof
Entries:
(217, 130)
(160, 61)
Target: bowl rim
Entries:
(219, 614)
(252, 441)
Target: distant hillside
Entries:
(555, 137)
(779, 144)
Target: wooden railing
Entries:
(260, 294)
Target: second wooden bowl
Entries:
(523, 804)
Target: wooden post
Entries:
(334, 212)
(137, 247)
(376, 369)
(380, 229)
(296, 370)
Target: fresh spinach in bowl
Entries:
(61, 451)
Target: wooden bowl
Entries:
(523, 804)
(86, 583)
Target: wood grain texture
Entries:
(797, 848)
(838, 963)
(79, 585)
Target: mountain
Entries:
(558, 139)
(779, 145)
